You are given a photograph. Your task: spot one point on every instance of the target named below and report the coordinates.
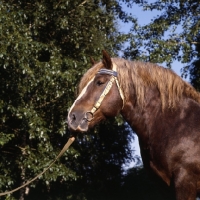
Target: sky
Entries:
(144, 17)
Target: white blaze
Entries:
(80, 95)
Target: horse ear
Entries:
(107, 60)
(92, 61)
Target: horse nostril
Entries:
(73, 117)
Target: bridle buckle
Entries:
(88, 116)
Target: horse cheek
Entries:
(112, 105)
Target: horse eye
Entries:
(99, 82)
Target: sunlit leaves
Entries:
(170, 35)
(45, 49)
(5, 138)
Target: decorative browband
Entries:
(107, 71)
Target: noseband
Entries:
(90, 114)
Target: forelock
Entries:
(89, 75)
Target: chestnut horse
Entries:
(161, 108)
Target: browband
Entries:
(107, 71)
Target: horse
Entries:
(161, 108)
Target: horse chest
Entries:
(154, 152)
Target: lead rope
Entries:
(67, 145)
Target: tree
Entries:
(45, 48)
(139, 185)
(102, 166)
(194, 70)
(98, 167)
(171, 35)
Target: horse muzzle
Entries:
(79, 122)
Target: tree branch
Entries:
(84, 2)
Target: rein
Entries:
(67, 145)
(113, 73)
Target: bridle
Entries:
(113, 73)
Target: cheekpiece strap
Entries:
(107, 71)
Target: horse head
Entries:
(100, 96)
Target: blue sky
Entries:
(144, 17)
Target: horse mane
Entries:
(136, 77)
(140, 75)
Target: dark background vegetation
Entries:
(45, 48)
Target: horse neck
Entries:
(140, 119)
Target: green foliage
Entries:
(171, 35)
(45, 48)
(195, 71)
(5, 138)
(98, 166)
